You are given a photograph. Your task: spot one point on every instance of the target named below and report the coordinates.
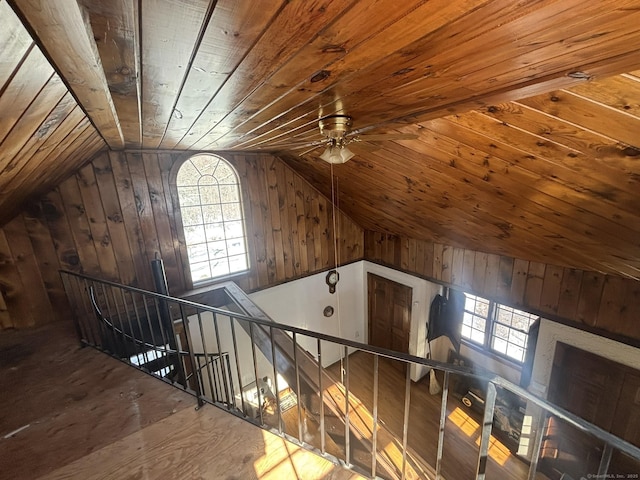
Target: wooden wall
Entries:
(594, 301)
(117, 212)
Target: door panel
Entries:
(601, 391)
(389, 313)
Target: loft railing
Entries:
(233, 356)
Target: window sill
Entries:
(492, 355)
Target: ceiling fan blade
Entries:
(310, 150)
(384, 136)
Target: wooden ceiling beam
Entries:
(63, 31)
(16, 43)
(115, 30)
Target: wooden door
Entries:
(585, 384)
(602, 392)
(389, 314)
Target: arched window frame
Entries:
(192, 274)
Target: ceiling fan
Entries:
(337, 134)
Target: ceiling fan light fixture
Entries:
(336, 154)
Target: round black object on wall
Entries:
(328, 311)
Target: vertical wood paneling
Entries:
(126, 197)
(607, 303)
(535, 279)
(111, 218)
(551, 288)
(569, 293)
(38, 309)
(590, 297)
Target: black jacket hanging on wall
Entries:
(445, 317)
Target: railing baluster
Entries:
(121, 339)
(236, 356)
(207, 359)
(407, 406)
(298, 396)
(122, 329)
(192, 358)
(374, 432)
(142, 342)
(153, 337)
(151, 328)
(112, 333)
(163, 334)
(487, 423)
(92, 320)
(255, 372)
(537, 445)
(321, 392)
(443, 419)
(603, 468)
(347, 427)
(275, 379)
(224, 374)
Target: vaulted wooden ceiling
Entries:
(526, 113)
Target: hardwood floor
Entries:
(462, 431)
(70, 412)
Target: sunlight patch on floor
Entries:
(497, 450)
(285, 460)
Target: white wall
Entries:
(301, 303)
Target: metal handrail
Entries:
(495, 380)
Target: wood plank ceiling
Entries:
(526, 113)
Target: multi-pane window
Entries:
(212, 217)
(497, 327)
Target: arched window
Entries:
(212, 217)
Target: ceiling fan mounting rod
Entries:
(335, 126)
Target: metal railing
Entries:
(272, 375)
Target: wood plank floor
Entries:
(70, 412)
(462, 432)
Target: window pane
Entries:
(515, 352)
(231, 211)
(215, 231)
(191, 216)
(187, 175)
(189, 196)
(212, 213)
(482, 308)
(220, 267)
(500, 345)
(501, 331)
(479, 323)
(217, 249)
(238, 263)
(477, 336)
(235, 246)
(206, 164)
(234, 229)
(198, 253)
(229, 193)
(225, 175)
(466, 331)
(209, 194)
(194, 235)
(200, 271)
